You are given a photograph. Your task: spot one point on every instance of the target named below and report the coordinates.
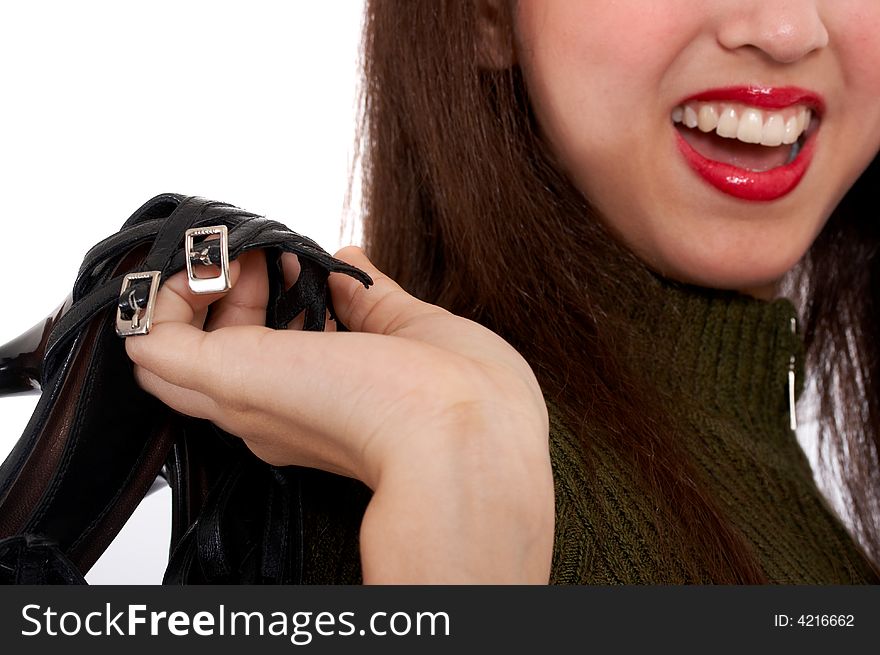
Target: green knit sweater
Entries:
(725, 357)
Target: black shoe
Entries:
(97, 441)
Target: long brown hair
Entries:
(465, 207)
(837, 285)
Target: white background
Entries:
(105, 104)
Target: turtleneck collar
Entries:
(727, 351)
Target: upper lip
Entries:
(767, 97)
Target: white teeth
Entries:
(728, 124)
(805, 117)
(774, 130)
(708, 118)
(747, 124)
(751, 124)
(791, 131)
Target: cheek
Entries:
(623, 34)
(596, 61)
(858, 25)
(594, 72)
(855, 42)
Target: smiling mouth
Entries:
(753, 143)
(749, 138)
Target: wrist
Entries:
(474, 507)
(463, 434)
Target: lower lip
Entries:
(744, 184)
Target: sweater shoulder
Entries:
(575, 514)
(606, 530)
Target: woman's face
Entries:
(676, 118)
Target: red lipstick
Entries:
(758, 186)
(765, 97)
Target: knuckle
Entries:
(372, 311)
(348, 250)
(485, 397)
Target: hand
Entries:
(429, 409)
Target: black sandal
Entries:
(96, 441)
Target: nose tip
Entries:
(789, 42)
(784, 31)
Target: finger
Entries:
(218, 364)
(201, 315)
(245, 303)
(176, 305)
(186, 401)
(291, 267)
(384, 308)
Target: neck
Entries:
(766, 292)
(728, 351)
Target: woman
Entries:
(587, 215)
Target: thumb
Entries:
(383, 308)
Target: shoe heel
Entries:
(21, 359)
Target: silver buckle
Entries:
(199, 253)
(142, 320)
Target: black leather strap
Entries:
(92, 293)
(35, 560)
(249, 531)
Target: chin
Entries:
(753, 272)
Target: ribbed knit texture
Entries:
(724, 360)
